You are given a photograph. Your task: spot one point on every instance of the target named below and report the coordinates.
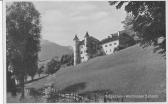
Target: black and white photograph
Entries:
(84, 51)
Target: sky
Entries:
(62, 20)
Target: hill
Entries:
(131, 71)
(50, 50)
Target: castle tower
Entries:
(118, 33)
(86, 42)
(76, 50)
(86, 38)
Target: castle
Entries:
(91, 47)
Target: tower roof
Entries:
(76, 37)
(86, 35)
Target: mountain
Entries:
(50, 50)
(131, 71)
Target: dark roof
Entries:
(115, 34)
(123, 37)
(86, 35)
(109, 39)
(91, 38)
(75, 38)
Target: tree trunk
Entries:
(22, 87)
(32, 78)
(25, 78)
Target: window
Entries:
(81, 52)
(110, 50)
(115, 43)
(110, 44)
(105, 45)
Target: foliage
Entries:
(23, 33)
(128, 26)
(11, 86)
(40, 70)
(128, 21)
(53, 66)
(67, 59)
(148, 21)
(32, 66)
(126, 40)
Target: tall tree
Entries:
(128, 21)
(23, 34)
(149, 21)
(128, 26)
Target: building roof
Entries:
(90, 38)
(109, 39)
(123, 37)
(93, 39)
(75, 38)
(86, 35)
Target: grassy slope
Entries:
(131, 70)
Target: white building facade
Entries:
(83, 53)
(110, 46)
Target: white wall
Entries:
(109, 47)
(83, 54)
(75, 53)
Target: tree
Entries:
(148, 22)
(53, 66)
(40, 70)
(32, 66)
(128, 21)
(23, 32)
(11, 86)
(67, 59)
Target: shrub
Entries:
(53, 66)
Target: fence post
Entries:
(105, 99)
(95, 97)
(47, 92)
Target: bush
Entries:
(40, 70)
(53, 66)
(67, 59)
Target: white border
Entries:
(54, 0)
(3, 48)
(166, 51)
(1, 66)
